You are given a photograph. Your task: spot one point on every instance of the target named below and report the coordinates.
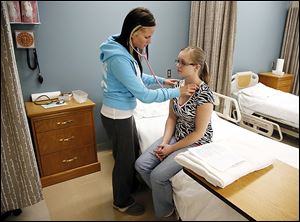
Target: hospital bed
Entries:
(192, 200)
(280, 110)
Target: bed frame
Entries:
(223, 107)
(258, 122)
(229, 110)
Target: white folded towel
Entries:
(223, 162)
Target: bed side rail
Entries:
(226, 106)
(260, 126)
(229, 110)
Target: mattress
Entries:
(192, 200)
(273, 103)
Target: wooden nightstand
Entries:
(64, 140)
(283, 83)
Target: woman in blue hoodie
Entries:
(123, 83)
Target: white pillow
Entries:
(260, 91)
(155, 109)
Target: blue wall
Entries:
(260, 28)
(68, 39)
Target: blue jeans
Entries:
(156, 174)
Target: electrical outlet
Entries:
(169, 73)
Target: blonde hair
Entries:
(198, 56)
(130, 41)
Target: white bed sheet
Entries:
(271, 102)
(150, 122)
(192, 200)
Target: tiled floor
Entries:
(90, 198)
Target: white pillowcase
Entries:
(260, 91)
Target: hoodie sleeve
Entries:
(123, 70)
(150, 80)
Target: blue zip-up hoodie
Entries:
(121, 83)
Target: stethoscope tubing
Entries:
(148, 64)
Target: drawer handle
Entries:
(66, 139)
(64, 122)
(70, 160)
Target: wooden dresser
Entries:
(283, 83)
(64, 140)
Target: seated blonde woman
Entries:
(188, 125)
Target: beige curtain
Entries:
(290, 45)
(213, 28)
(20, 183)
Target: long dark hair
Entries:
(135, 19)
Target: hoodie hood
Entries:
(111, 48)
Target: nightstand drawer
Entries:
(63, 121)
(66, 160)
(285, 88)
(284, 83)
(57, 140)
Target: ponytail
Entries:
(198, 56)
(204, 73)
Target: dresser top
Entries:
(37, 110)
(271, 75)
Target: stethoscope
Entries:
(144, 55)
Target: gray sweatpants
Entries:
(123, 135)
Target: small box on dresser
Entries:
(64, 140)
(283, 83)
